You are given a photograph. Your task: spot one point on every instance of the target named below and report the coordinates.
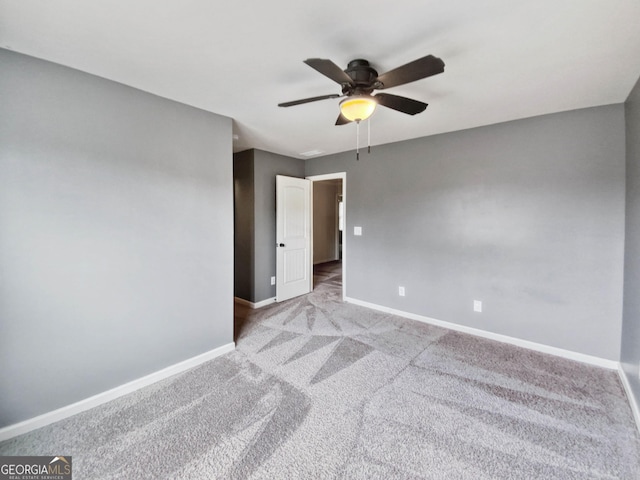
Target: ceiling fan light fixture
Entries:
(358, 107)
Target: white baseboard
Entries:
(560, 352)
(633, 401)
(252, 305)
(326, 260)
(104, 397)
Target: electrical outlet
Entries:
(273, 280)
(477, 306)
(401, 291)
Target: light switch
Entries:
(357, 231)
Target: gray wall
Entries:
(266, 166)
(526, 216)
(631, 317)
(116, 224)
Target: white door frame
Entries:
(335, 176)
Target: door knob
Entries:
(281, 245)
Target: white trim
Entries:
(633, 401)
(324, 260)
(252, 305)
(327, 176)
(104, 397)
(337, 176)
(539, 347)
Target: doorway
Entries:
(329, 240)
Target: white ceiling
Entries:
(505, 59)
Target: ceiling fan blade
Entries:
(342, 120)
(307, 100)
(401, 104)
(329, 69)
(412, 71)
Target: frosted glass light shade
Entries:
(358, 108)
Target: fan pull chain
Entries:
(357, 139)
(369, 135)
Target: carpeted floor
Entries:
(322, 389)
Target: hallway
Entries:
(328, 273)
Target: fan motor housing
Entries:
(363, 74)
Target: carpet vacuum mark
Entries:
(318, 388)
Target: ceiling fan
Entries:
(359, 80)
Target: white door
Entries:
(293, 237)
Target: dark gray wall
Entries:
(266, 167)
(255, 175)
(526, 216)
(116, 235)
(244, 225)
(630, 356)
